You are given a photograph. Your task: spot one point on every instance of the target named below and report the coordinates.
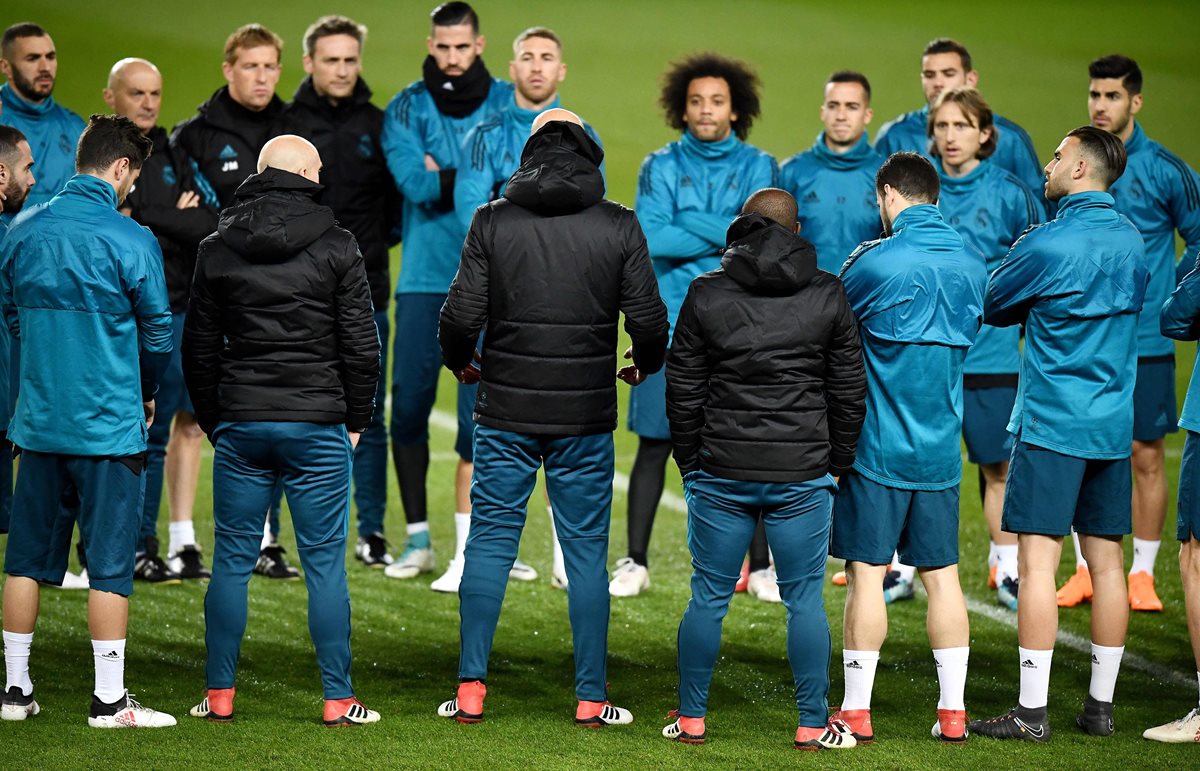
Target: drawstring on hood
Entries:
(766, 258)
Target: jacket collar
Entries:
(307, 95)
(90, 189)
(14, 102)
(1083, 201)
(853, 158)
(1137, 141)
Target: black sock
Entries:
(760, 555)
(412, 466)
(645, 490)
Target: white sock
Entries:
(859, 667)
(1006, 563)
(1080, 562)
(418, 527)
(462, 528)
(16, 661)
(1144, 554)
(560, 565)
(1106, 663)
(951, 666)
(1035, 677)
(907, 572)
(182, 534)
(267, 540)
(992, 554)
(110, 669)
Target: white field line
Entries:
(995, 613)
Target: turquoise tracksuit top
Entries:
(1159, 194)
(492, 154)
(1014, 149)
(1077, 284)
(918, 297)
(5, 354)
(1180, 319)
(412, 129)
(82, 287)
(688, 193)
(52, 131)
(836, 195)
(990, 208)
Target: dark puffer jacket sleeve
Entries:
(687, 385)
(645, 313)
(845, 387)
(358, 338)
(203, 342)
(465, 311)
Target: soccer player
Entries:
(178, 207)
(688, 192)
(223, 140)
(93, 351)
(946, 64)
(423, 131)
(1076, 284)
(918, 297)
(1160, 194)
(492, 152)
(1180, 319)
(281, 355)
(16, 180)
(764, 417)
(332, 108)
(591, 260)
(29, 62)
(990, 208)
(834, 180)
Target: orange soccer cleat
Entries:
(839, 578)
(1077, 589)
(1141, 593)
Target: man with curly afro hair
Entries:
(688, 193)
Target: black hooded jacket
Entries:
(354, 174)
(224, 138)
(280, 324)
(765, 378)
(549, 267)
(166, 175)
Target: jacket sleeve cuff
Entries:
(840, 465)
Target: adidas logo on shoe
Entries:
(1028, 664)
(854, 665)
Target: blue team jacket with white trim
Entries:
(53, 132)
(1180, 320)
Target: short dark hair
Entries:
(1118, 66)
(743, 88)
(21, 29)
(850, 76)
(455, 13)
(107, 139)
(328, 26)
(9, 139)
(1105, 150)
(976, 110)
(910, 175)
(945, 45)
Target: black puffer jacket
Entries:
(354, 174)
(280, 325)
(166, 175)
(549, 268)
(765, 379)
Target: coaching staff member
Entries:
(281, 357)
(547, 394)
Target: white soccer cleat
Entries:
(126, 713)
(1185, 730)
(411, 564)
(448, 582)
(597, 714)
(629, 579)
(73, 581)
(18, 706)
(764, 586)
(522, 572)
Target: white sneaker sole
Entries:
(10, 712)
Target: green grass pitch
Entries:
(1032, 58)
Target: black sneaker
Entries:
(149, 567)
(272, 564)
(1096, 718)
(1018, 723)
(372, 551)
(189, 564)
(126, 713)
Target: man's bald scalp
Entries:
(556, 113)
(774, 204)
(126, 66)
(289, 153)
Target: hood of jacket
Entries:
(766, 258)
(274, 216)
(559, 172)
(224, 113)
